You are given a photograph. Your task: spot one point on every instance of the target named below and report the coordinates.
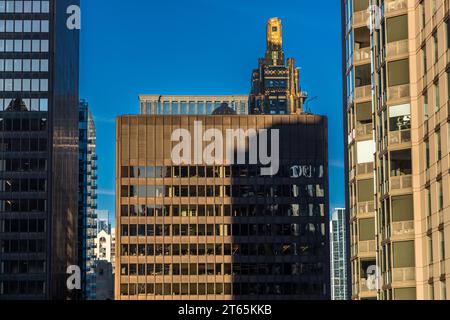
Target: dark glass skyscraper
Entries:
(39, 60)
(275, 84)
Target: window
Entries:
(438, 145)
(436, 47)
(440, 195)
(437, 98)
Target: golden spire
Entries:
(274, 34)
(274, 52)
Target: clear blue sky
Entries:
(203, 47)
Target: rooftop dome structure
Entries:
(224, 109)
(17, 105)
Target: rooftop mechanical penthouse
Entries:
(221, 231)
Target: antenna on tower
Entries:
(307, 109)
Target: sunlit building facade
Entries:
(221, 231)
(397, 135)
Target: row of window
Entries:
(218, 269)
(236, 191)
(31, 85)
(189, 107)
(24, 26)
(19, 45)
(236, 289)
(20, 6)
(241, 229)
(23, 185)
(24, 65)
(23, 145)
(22, 266)
(22, 225)
(22, 246)
(201, 249)
(23, 124)
(276, 210)
(22, 287)
(294, 171)
(23, 205)
(28, 104)
(23, 165)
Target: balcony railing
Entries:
(364, 92)
(364, 288)
(367, 246)
(398, 92)
(365, 168)
(361, 17)
(403, 274)
(403, 228)
(366, 207)
(399, 137)
(362, 54)
(394, 5)
(401, 182)
(351, 174)
(353, 212)
(397, 48)
(364, 130)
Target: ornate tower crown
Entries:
(275, 53)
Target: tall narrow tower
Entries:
(275, 84)
(39, 62)
(274, 52)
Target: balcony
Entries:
(403, 274)
(397, 48)
(399, 137)
(367, 246)
(398, 92)
(353, 212)
(360, 17)
(395, 5)
(401, 182)
(439, 167)
(353, 250)
(351, 174)
(364, 92)
(441, 217)
(363, 130)
(365, 168)
(362, 54)
(364, 288)
(366, 207)
(403, 228)
(429, 223)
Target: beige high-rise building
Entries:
(396, 62)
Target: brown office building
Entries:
(197, 229)
(397, 111)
